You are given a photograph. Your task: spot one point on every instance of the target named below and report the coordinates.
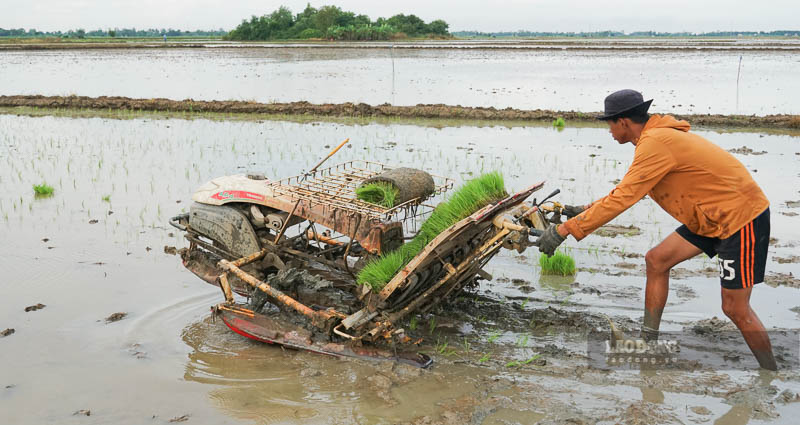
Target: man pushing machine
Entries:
(722, 210)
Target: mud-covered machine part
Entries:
(238, 229)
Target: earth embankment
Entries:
(363, 110)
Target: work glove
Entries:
(572, 210)
(550, 240)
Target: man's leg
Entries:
(736, 305)
(671, 251)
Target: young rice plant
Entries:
(378, 193)
(558, 264)
(43, 189)
(472, 196)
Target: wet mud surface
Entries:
(510, 350)
(435, 111)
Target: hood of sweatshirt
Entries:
(665, 121)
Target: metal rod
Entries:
(250, 258)
(311, 171)
(349, 244)
(269, 290)
(219, 251)
(306, 256)
(286, 223)
(324, 239)
(226, 287)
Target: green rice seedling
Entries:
(493, 336)
(533, 358)
(413, 323)
(441, 347)
(472, 196)
(378, 193)
(43, 189)
(559, 122)
(106, 198)
(559, 264)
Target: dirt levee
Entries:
(364, 110)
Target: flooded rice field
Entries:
(510, 351)
(500, 74)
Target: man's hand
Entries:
(573, 210)
(550, 240)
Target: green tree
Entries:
(331, 22)
(438, 27)
(411, 24)
(326, 17)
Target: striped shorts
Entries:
(742, 257)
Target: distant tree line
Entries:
(331, 22)
(116, 32)
(605, 34)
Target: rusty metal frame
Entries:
(335, 187)
(322, 319)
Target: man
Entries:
(722, 210)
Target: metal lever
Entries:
(555, 192)
(536, 205)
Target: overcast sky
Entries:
(482, 15)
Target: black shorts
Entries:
(741, 258)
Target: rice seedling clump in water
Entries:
(378, 193)
(472, 196)
(43, 189)
(558, 264)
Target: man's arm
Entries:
(651, 162)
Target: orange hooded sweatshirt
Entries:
(694, 180)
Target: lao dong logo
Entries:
(640, 346)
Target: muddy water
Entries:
(167, 358)
(499, 75)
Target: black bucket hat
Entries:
(622, 101)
